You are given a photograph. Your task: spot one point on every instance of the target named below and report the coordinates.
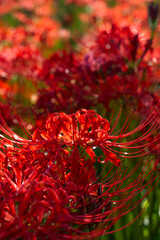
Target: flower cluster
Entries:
(51, 184)
(117, 56)
(63, 65)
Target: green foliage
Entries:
(10, 20)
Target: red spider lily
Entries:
(50, 185)
(20, 60)
(64, 75)
(39, 205)
(118, 56)
(88, 129)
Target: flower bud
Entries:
(153, 10)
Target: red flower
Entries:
(51, 185)
(88, 129)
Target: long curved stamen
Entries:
(56, 173)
